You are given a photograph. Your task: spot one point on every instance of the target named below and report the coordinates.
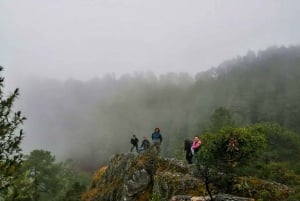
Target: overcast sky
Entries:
(83, 39)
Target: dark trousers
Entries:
(189, 157)
(136, 147)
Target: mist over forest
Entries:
(88, 121)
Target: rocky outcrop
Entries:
(130, 177)
(147, 176)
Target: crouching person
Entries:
(145, 144)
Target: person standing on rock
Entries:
(196, 145)
(156, 139)
(134, 141)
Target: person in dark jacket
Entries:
(188, 152)
(145, 144)
(156, 138)
(134, 141)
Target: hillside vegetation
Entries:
(89, 121)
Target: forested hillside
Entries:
(262, 87)
(246, 112)
(88, 121)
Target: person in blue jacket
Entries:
(156, 138)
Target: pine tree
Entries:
(10, 135)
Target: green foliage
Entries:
(74, 182)
(260, 189)
(220, 118)
(231, 147)
(10, 136)
(224, 153)
(37, 177)
(296, 195)
(283, 143)
(40, 177)
(74, 192)
(278, 163)
(266, 151)
(280, 172)
(156, 197)
(282, 152)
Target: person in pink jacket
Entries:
(196, 145)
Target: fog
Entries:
(85, 39)
(89, 121)
(70, 58)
